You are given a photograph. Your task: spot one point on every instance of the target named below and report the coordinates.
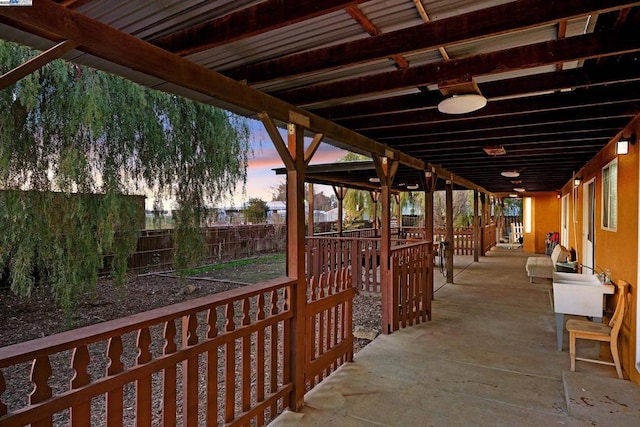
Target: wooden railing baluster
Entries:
(80, 414)
(190, 372)
(230, 366)
(273, 353)
(143, 385)
(113, 399)
(169, 376)
(260, 360)
(3, 387)
(212, 369)
(40, 374)
(246, 357)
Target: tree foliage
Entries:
(71, 129)
(256, 211)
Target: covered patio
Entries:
(489, 357)
(560, 84)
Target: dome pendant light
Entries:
(462, 104)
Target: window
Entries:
(610, 196)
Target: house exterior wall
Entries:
(545, 218)
(614, 250)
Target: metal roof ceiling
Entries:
(562, 78)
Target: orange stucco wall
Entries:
(545, 218)
(614, 250)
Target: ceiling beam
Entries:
(247, 22)
(103, 41)
(494, 137)
(518, 58)
(561, 103)
(466, 27)
(574, 78)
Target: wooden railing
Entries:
(220, 359)
(329, 330)
(362, 255)
(462, 239)
(410, 274)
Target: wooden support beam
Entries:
(375, 196)
(442, 32)
(597, 75)
(312, 148)
(296, 267)
(35, 63)
(340, 191)
(48, 19)
(371, 29)
(247, 22)
(449, 228)
(586, 46)
(476, 227)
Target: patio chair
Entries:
(583, 329)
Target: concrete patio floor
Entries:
(487, 358)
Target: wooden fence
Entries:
(236, 346)
(155, 248)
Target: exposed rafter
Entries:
(514, 59)
(466, 27)
(247, 22)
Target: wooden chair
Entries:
(583, 329)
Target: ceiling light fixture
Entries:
(462, 104)
(519, 189)
(510, 174)
(412, 187)
(496, 150)
(374, 179)
(513, 195)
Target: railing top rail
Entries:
(344, 238)
(28, 350)
(411, 245)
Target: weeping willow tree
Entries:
(67, 133)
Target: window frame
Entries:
(609, 197)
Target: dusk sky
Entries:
(261, 179)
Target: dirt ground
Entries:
(24, 319)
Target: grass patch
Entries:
(233, 264)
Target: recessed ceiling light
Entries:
(516, 181)
(374, 179)
(462, 104)
(510, 174)
(412, 187)
(513, 195)
(519, 189)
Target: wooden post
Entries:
(428, 236)
(375, 196)
(485, 221)
(310, 219)
(398, 212)
(476, 227)
(295, 263)
(449, 216)
(340, 192)
(296, 160)
(386, 170)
